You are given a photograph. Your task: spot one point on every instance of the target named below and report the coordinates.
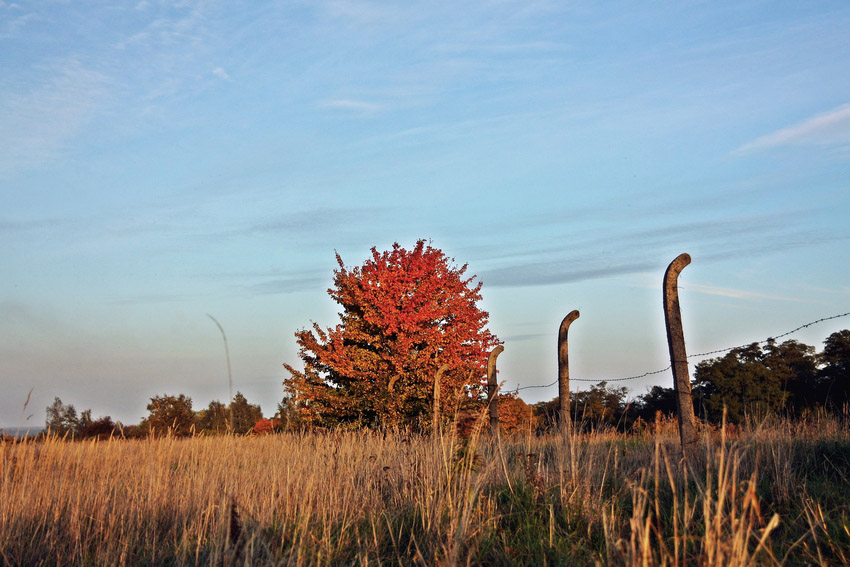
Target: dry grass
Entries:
(370, 498)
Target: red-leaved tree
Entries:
(405, 314)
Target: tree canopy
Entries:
(789, 377)
(741, 382)
(404, 314)
(170, 414)
(245, 415)
(600, 405)
(834, 376)
(62, 419)
(214, 419)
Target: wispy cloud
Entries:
(36, 124)
(14, 20)
(271, 282)
(545, 273)
(590, 255)
(167, 58)
(631, 258)
(832, 127)
(221, 73)
(15, 227)
(591, 240)
(733, 293)
(311, 220)
(289, 284)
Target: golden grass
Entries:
(369, 498)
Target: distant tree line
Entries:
(788, 379)
(167, 415)
(62, 420)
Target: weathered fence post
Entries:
(678, 356)
(493, 389)
(564, 369)
(435, 425)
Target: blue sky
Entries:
(164, 160)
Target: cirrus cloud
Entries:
(829, 128)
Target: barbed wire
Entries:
(767, 340)
(697, 355)
(650, 373)
(538, 386)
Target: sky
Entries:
(161, 161)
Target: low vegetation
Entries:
(774, 494)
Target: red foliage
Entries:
(515, 417)
(266, 426)
(405, 313)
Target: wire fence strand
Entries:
(697, 355)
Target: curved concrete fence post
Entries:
(678, 356)
(564, 369)
(493, 389)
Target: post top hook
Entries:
(572, 316)
(677, 265)
(682, 259)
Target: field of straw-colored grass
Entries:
(776, 495)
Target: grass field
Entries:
(776, 494)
